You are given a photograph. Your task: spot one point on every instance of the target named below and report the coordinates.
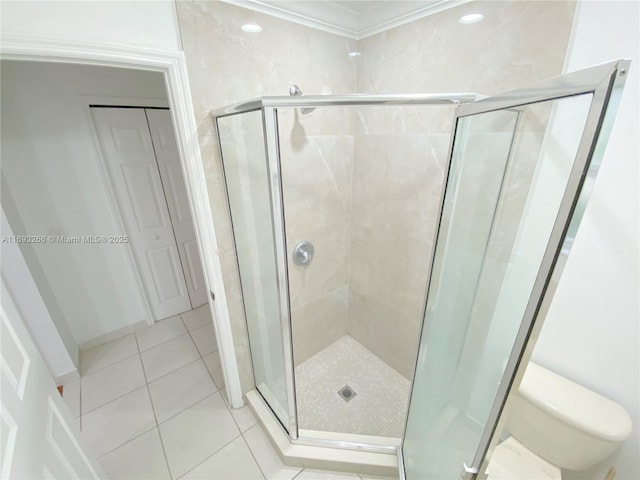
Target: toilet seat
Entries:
(511, 460)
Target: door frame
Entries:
(172, 65)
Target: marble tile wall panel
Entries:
(316, 152)
(227, 65)
(396, 193)
(319, 323)
(518, 43)
(385, 328)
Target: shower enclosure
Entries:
(392, 272)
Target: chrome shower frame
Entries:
(269, 107)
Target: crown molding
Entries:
(301, 16)
(338, 19)
(389, 16)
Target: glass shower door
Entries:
(514, 194)
(246, 174)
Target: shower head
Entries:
(294, 91)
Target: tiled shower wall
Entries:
(316, 153)
(226, 66)
(398, 162)
(377, 174)
(517, 43)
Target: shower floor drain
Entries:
(347, 393)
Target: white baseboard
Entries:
(116, 334)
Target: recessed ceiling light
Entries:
(471, 18)
(354, 54)
(251, 28)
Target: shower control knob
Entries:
(303, 253)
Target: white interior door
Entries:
(164, 143)
(129, 156)
(40, 439)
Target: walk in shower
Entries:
(360, 182)
(339, 208)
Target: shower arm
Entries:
(294, 91)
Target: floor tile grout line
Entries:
(205, 363)
(139, 352)
(86, 374)
(116, 398)
(172, 338)
(196, 328)
(157, 427)
(146, 384)
(193, 310)
(234, 418)
(163, 342)
(204, 460)
(264, 475)
(218, 388)
(127, 441)
(241, 433)
(182, 366)
(298, 474)
(110, 365)
(138, 346)
(153, 381)
(171, 371)
(155, 417)
(185, 408)
(174, 370)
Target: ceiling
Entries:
(350, 18)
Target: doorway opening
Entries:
(96, 201)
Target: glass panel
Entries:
(246, 176)
(362, 184)
(508, 173)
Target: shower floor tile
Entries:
(382, 394)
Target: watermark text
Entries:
(66, 239)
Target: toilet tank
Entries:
(566, 423)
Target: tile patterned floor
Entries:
(150, 407)
(382, 394)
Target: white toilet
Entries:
(556, 424)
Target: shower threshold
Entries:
(332, 454)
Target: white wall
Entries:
(60, 356)
(591, 333)
(149, 24)
(51, 167)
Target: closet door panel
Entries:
(128, 153)
(170, 168)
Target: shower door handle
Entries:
(303, 253)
